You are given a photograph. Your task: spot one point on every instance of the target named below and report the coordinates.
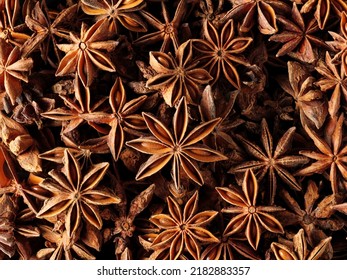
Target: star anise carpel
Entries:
(250, 217)
(183, 150)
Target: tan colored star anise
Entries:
(60, 246)
(117, 11)
(221, 51)
(310, 102)
(9, 17)
(47, 33)
(87, 53)
(263, 12)
(323, 9)
(182, 149)
(335, 79)
(267, 160)
(183, 230)
(76, 194)
(331, 155)
(250, 218)
(13, 70)
(167, 30)
(177, 77)
(298, 248)
(123, 117)
(339, 44)
(297, 37)
(315, 216)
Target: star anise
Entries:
(9, 31)
(120, 11)
(85, 54)
(268, 160)
(123, 117)
(250, 218)
(183, 150)
(310, 102)
(314, 217)
(13, 70)
(183, 230)
(124, 226)
(297, 37)
(333, 79)
(331, 154)
(177, 77)
(60, 246)
(47, 33)
(298, 249)
(167, 30)
(323, 9)
(75, 194)
(220, 51)
(265, 12)
(339, 44)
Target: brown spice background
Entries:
(183, 129)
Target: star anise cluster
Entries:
(139, 129)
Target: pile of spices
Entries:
(173, 129)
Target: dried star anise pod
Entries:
(274, 162)
(177, 77)
(250, 218)
(339, 44)
(323, 9)
(181, 148)
(76, 194)
(85, 54)
(264, 12)
(334, 78)
(167, 30)
(124, 226)
(60, 246)
(220, 51)
(47, 33)
(331, 154)
(120, 11)
(315, 217)
(297, 37)
(310, 102)
(13, 70)
(298, 249)
(183, 230)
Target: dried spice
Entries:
(141, 129)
